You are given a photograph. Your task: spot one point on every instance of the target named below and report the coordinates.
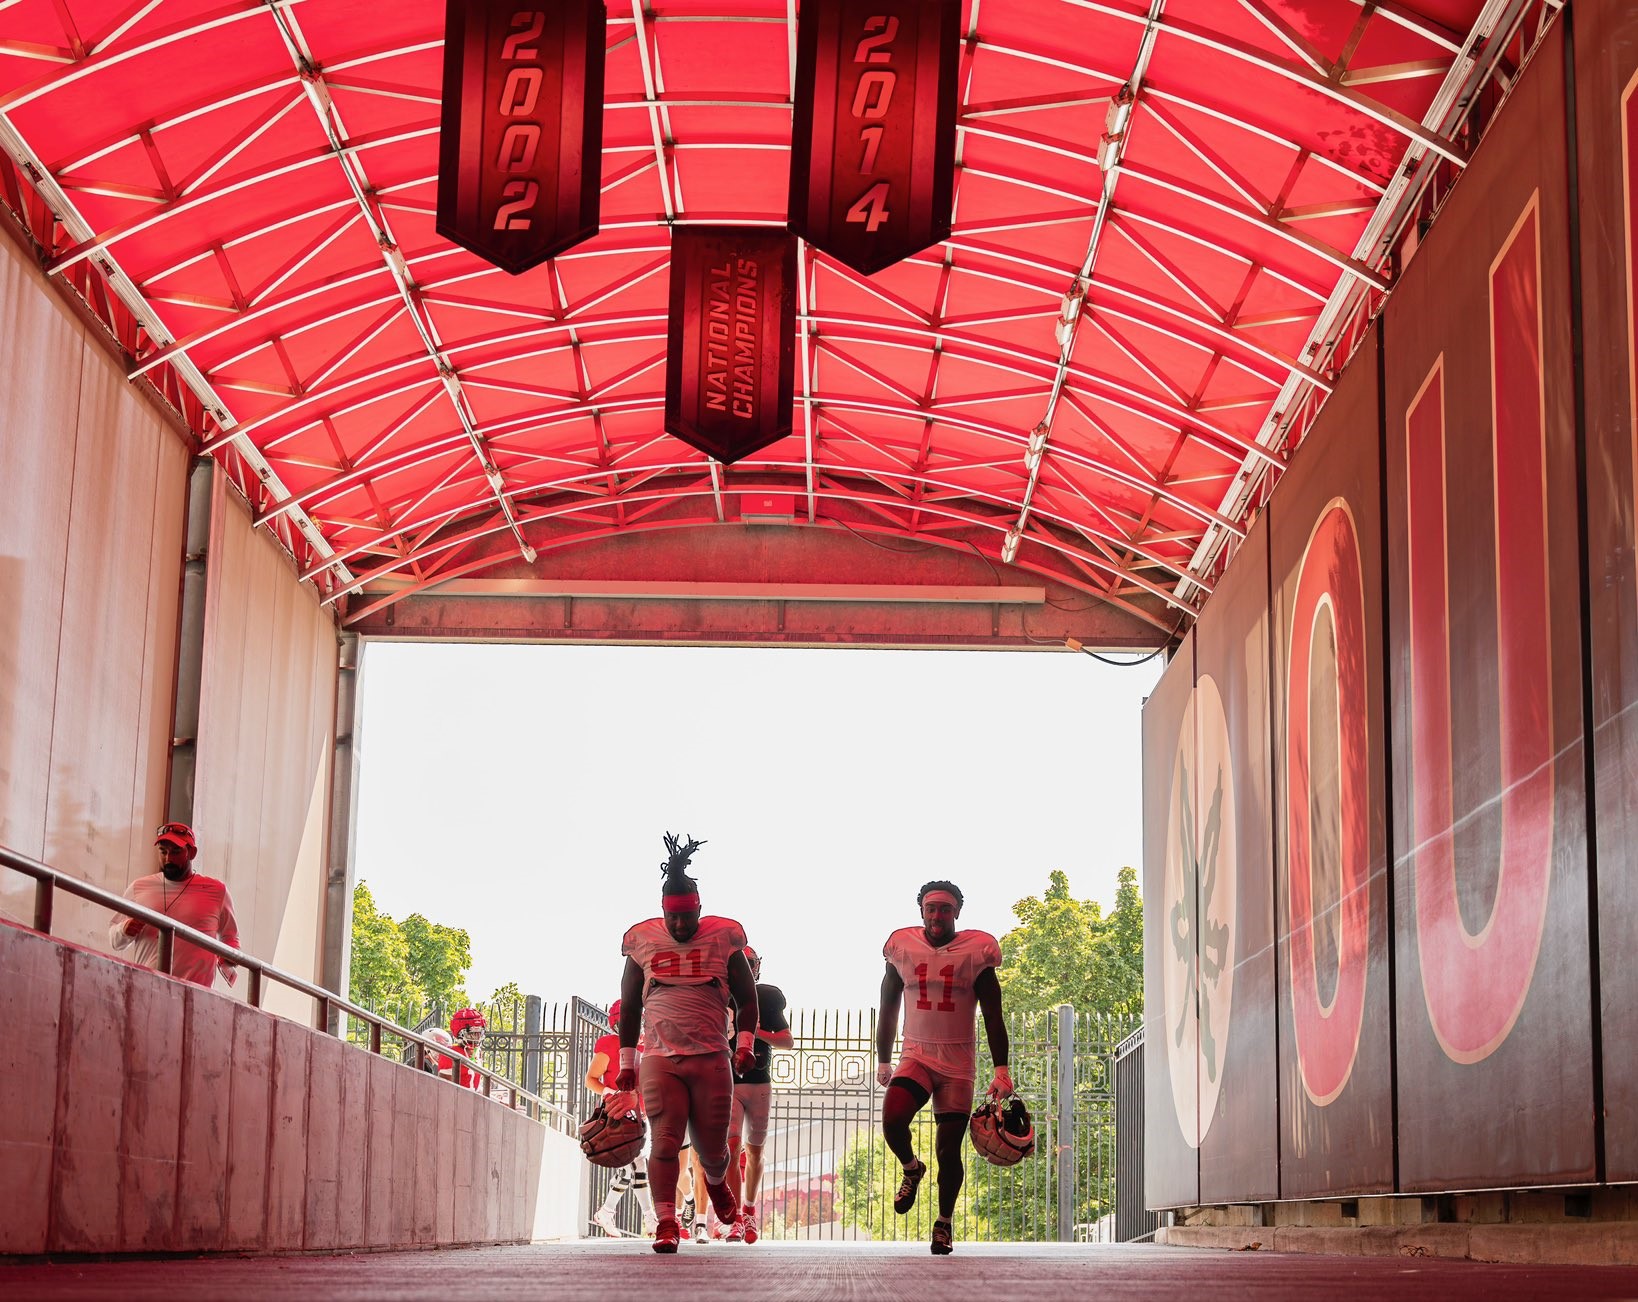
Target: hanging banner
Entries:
(730, 367)
(873, 141)
(521, 138)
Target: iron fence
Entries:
(1133, 1220)
(827, 1174)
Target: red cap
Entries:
(179, 834)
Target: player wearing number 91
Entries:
(682, 973)
(941, 975)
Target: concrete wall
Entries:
(92, 477)
(142, 1114)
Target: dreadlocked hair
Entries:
(679, 850)
(951, 887)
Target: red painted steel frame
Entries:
(1100, 387)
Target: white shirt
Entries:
(197, 901)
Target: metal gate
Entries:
(1132, 1219)
(828, 1175)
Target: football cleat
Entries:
(603, 1219)
(651, 1222)
(906, 1197)
(748, 1225)
(736, 1231)
(723, 1202)
(943, 1239)
(682, 1228)
(666, 1234)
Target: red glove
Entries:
(626, 1079)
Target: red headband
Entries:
(680, 903)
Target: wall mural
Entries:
(1198, 908)
(1606, 73)
(1438, 1024)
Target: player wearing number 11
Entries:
(682, 973)
(940, 975)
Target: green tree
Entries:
(439, 957)
(1065, 951)
(380, 961)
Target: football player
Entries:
(682, 973)
(600, 1080)
(466, 1028)
(753, 1096)
(940, 974)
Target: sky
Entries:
(521, 792)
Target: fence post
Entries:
(531, 1043)
(1066, 1123)
(576, 1071)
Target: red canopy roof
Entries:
(255, 182)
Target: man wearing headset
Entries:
(190, 897)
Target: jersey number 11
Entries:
(946, 1004)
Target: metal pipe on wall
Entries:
(190, 641)
(335, 968)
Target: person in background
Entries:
(190, 897)
(605, 1066)
(753, 1098)
(467, 1028)
(942, 976)
(430, 1062)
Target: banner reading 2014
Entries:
(873, 142)
(520, 144)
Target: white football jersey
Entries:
(940, 1002)
(685, 984)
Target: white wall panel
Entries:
(38, 338)
(266, 740)
(90, 565)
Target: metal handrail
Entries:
(47, 880)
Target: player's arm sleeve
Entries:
(773, 1026)
(988, 989)
(631, 1004)
(887, 1015)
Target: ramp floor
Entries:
(603, 1271)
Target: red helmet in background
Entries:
(614, 1015)
(468, 1026)
(613, 1135)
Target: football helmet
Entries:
(1003, 1132)
(613, 1135)
(468, 1026)
(614, 1016)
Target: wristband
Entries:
(746, 1041)
(628, 1059)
